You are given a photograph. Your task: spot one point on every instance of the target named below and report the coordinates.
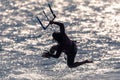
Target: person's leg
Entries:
(70, 60)
(72, 64)
(71, 57)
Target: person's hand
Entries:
(46, 54)
(51, 22)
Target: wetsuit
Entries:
(65, 45)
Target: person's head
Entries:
(57, 37)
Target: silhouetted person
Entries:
(64, 45)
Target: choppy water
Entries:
(95, 24)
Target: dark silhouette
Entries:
(64, 45)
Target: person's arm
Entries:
(62, 29)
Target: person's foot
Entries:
(88, 61)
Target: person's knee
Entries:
(70, 65)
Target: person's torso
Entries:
(68, 46)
